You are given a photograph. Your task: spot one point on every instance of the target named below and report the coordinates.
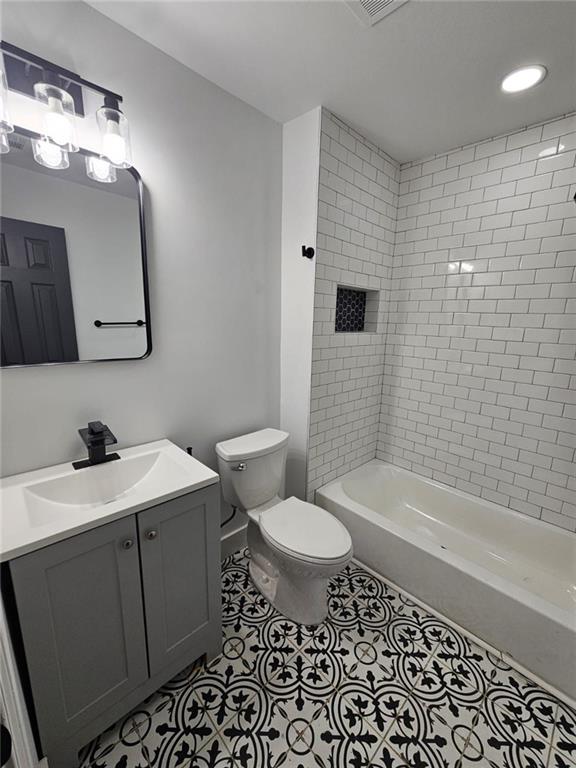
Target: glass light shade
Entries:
(59, 121)
(4, 146)
(48, 154)
(6, 125)
(99, 169)
(114, 137)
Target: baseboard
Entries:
(233, 541)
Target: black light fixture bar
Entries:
(66, 74)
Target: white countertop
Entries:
(29, 522)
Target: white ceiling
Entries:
(423, 80)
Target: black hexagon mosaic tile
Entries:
(350, 310)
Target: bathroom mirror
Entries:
(73, 260)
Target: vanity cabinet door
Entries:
(180, 552)
(79, 603)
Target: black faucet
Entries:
(96, 437)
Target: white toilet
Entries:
(295, 547)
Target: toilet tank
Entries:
(264, 455)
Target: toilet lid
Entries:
(305, 531)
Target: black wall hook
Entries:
(308, 252)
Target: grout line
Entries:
(169, 695)
(116, 728)
(334, 689)
(141, 747)
(219, 732)
(557, 694)
(431, 657)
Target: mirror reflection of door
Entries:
(74, 261)
(37, 315)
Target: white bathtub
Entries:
(503, 576)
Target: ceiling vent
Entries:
(370, 12)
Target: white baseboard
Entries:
(233, 541)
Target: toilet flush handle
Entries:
(241, 467)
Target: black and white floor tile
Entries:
(381, 684)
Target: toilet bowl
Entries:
(295, 547)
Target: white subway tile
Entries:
(534, 184)
(524, 138)
(559, 127)
(478, 371)
(484, 180)
(474, 168)
(520, 171)
(515, 203)
(497, 221)
(491, 147)
(531, 216)
(549, 196)
(565, 177)
(505, 159)
(560, 243)
(500, 190)
(541, 149)
(506, 234)
(544, 229)
(567, 141)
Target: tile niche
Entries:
(356, 310)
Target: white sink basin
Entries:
(80, 489)
(50, 504)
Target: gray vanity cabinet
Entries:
(80, 608)
(109, 615)
(181, 593)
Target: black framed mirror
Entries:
(73, 265)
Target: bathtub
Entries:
(503, 576)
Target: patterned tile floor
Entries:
(381, 684)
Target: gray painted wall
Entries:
(212, 168)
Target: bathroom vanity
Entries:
(111, 585)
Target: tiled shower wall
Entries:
(356, 220)
(479, 372)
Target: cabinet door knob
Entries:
(127, 543)
(151, 534)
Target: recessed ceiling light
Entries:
(523, 78)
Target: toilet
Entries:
(295, 547)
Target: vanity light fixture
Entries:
(6, 126)
(59, 118)
(61, 93)
(48, 154)
(114, 134)
(99, 169)
(523, 78)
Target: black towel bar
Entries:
(101, 324)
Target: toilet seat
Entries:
(305, 532)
